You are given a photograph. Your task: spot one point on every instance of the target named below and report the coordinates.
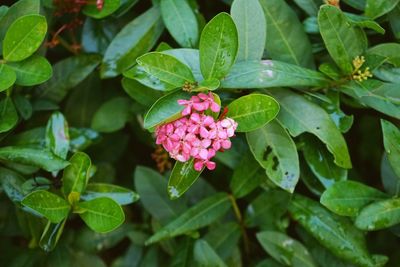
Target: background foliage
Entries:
(313, 175)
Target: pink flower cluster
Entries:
(196, 134)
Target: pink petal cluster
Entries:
(197, 135)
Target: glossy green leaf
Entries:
(286, 40)
(109, 7)
(317, 122)
(18, 9)
(332, 231)
(8, 115)
(47, 204)
(218, 46)
(266, 210)
(136, 38)
(182, 177)
(81, 138)
(151, 187)
(377, 8)
(51, 234)
(224, 238)
(378, 95)
(180, 21)
(285, 249)
(205, 255)
(139, 74)
(76, 176)
(190, 57)
(166, 68)
(97, 35)
(364, 22)
(57, 135)
(119, 194)
(276, 152)
(391, 182)
(340, 38)
(379, 215)
(67, 74)
(202, 214)
(321, 162)
(166, 109)
(391, 142)
(269, 73)
(24, 37)
(251, 27)
(252, 111)
(102, 214)
(311, 7)
(347, 198)
(112, 115)
(7, 77)
(394, 21)
(11, 183)
(247, 175)
(32, 157)
(140, 93)
(23, 106)
(32, 71)
(388, 50)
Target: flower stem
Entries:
(239, 218)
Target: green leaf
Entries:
(379, 215)
(286, 39)
(8, 115)
(269, 73)
(285, 249)
(276, 152)
(391, 182)
(205, 255)
(182, 177)
(391, 142)
(119, 194)
(47, 204)
(377, 8)
(7, 77)
(388, 50)
(139, 74)
(17, 10)
(102, 214)
(112, 115)
(166, 109)
(24, 37)
(332, 231)
(218, 46)
(67, 74)
(166, 68)
(202, 214)
(135, 39)
(311, 7)
(252, 111)
(224, 238)
(151, 187)
(251, 27)
(11, 183)
(23, 106)
(32, 157)
(76, 176)
(32, 71)
(97, 35)
(51, 234)
(140, 93)
(317, 122)
(347, 198)
(321, 163)
(394, 21)
(378, 95)
(340, 38)
(266, 210)
(109, 7)
(57, 135)
(180, 21)
(364, 22)
(247, 175)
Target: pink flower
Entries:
(197, 135)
